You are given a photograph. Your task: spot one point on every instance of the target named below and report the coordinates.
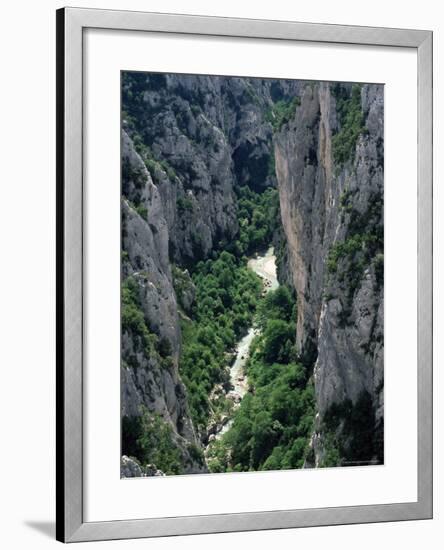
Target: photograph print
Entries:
(252, 274)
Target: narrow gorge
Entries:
(252, 274)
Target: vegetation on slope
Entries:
(282, 112)
(258, 215)
(363, 246)
(134, 322)
(272, 427)
(227, 293)
(149, 439)
(351, 120)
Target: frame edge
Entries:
(60, 329)
(425, 275)
(69, 484)
(69, 266)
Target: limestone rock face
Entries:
(211, 134)
(147, 379)
(331, 211)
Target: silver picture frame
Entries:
(71, 24)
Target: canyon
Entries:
(189, 145)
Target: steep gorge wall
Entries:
(331, 205)
(187, 142)
(150, 379)
(200, 137)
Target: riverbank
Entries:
(272, 425)
(264, 265)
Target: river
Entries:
(265, 266)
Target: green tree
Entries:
(276, 335)
(149, 439)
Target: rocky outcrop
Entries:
(130, 467)
(329, 166)
(184, 287)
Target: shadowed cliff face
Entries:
(330, 178)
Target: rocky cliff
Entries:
(200, 137)
(329, 166)
(150, 323)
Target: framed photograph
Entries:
(244, 274)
